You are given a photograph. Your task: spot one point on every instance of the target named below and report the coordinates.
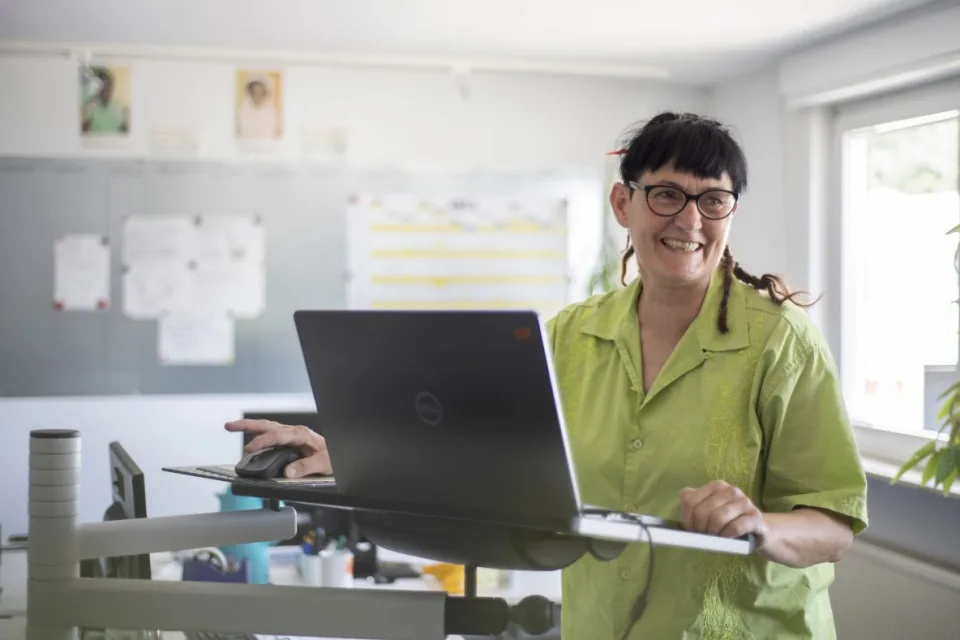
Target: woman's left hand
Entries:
(721, 509)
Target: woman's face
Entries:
(683, 249)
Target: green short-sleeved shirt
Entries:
(759, 407)
(105, 118)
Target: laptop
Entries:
(457, 413)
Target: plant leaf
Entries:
(948, 482)
(916, 458)
(948, 405)
(950, 390)
(949, 462)
(932, 464)
(956, 229)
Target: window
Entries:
(900, 283)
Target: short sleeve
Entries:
(812, 457)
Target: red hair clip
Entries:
(617, 152)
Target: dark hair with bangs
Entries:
(702, 147)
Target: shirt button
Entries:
(625, 575)
(631, 508)
(638, 444)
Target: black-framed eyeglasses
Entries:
(665, 200)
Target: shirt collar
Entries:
(611, 316)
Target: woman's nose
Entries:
(689, 217)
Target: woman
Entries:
(101, 113)
(702, 393)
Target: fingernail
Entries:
(290, 472)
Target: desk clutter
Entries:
(123, 556)
(212, 565)
(325, 561)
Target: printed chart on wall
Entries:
(472, 253)
(195, 276)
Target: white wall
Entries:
(412, 120)
(751, 107)
(157, 432)
(918, 46)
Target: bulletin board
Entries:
(51, 351)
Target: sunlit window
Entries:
(899, 303)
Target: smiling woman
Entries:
(693, 160)
(701, 393)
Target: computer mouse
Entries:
(267, 463)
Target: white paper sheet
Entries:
(168, 239)
(237, 288)
(183, 141)
(196, 338)
(229, 238)
(151, 289)
(81, 273)
(407, 252)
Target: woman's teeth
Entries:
(680, 245)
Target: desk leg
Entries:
(52, 551)
(470, 581)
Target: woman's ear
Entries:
(619, 199)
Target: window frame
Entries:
(891, 444)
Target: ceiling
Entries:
(701, 41)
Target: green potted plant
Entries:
(941, 457)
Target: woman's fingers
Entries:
(273, 438)
(288, 436)
(318, 464)
(247, 425)
(316, 460)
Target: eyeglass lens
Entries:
(668, 201)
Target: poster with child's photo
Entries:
(259, 105)
(105, 101)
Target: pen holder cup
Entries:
(331, 568)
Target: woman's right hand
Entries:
(316, 458)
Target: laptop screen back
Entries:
(448, 411)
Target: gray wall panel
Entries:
(915, 521)
(44, 352)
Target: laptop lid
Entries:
(449, 411)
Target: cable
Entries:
(636, 612)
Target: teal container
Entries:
(257, 554)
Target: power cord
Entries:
(640, 605)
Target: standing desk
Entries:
(59, 602)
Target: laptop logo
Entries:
(428, 408)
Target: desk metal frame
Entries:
(59, 601)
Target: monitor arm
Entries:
(59, 601)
